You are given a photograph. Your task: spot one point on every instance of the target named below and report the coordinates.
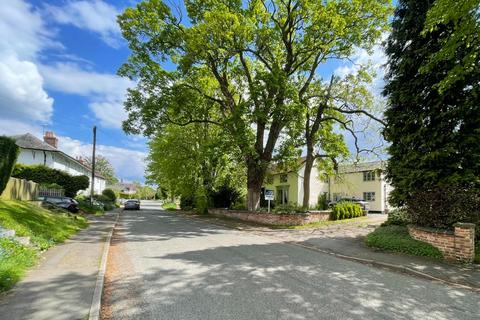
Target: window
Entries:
(282, 195)
(283, 178)
(369, 196)
(369, 176)
(269, 180)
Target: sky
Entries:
(58, 64)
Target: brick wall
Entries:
(273, 219)
(456, 245)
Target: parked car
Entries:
(62, 202)
(132, 204)
(364, 204)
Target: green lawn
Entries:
(397, 239)
(45, 228)
(169, 206)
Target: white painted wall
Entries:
(56, 160)
(317, 186)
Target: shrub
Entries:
(240, 204)
(187, 202)
(43, 174)
(398, 217)
(288, 208)
(322, 202)
(9, 153)
(443, 207)
(110, 194)
(224, 197)
(397, 238)
(346, 210)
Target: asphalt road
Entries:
(164, 266)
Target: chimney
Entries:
(51, 139)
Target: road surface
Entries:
(164, 266)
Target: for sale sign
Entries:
(269, 195)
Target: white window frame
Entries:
(369, 196)
(369, 175)
(282, 176)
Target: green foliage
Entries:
(224, 197)
(433, 133)
(85, 206)
(110, 195)
(460, 43)
(104, 167)
(187, 203)
(398, 217)
(169, 206)
(243, 67)
(15, 259)
(288, 208)
(477, 252)
(346, 210)
(397, 239)
(9, 153)
(443, 207)
(322, 202)
(44, 227)
(53, 186)
(43, 174)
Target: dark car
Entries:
(62, 202)
(133, 204)
(364, 204)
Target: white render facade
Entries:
(363, 181)
(33, 151)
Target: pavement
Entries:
(346, 239)
(62, 285)
(166, 266)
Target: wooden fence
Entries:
(20, 189)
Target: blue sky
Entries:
(58, 64)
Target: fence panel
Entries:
(20, 189)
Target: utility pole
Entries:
(92, 191)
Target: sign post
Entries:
(269, 195)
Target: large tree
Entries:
(432, 124)
(104, 167)
(250, 62)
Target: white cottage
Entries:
(34, 151)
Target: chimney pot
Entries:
(51, 139)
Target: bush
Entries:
(224, 197)
(187, 202)
(288, 208)
(43, 174)
(397, 239)
(398, 217)
(346, 210)
(9, 153)
(443, 207)
(110, 194)
(322, 202)
(240, 204)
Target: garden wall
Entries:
(20, 189)
(297, 219)
(455, 245)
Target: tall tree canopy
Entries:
(104, 167)
(248, 62)
(433, 118)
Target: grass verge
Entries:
(397, 239)
(87, 208)
(169, 206)
(477, 254)
(44, 227)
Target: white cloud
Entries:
(23, 35)
(93, 15)
(106, 92)
(128, 164)
(10, 127)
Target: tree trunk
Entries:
(255, 175)
(310, 159)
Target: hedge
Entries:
(346, 210)
(42, 174)
(9, 153)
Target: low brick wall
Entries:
(456, 245)
(273, 219)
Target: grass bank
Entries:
(397, 239)
(169, 206)
(44, 227)
(320, 224)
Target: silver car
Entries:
(131, 204)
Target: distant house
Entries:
(34, 151)
(126, 188)
(363, 181)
